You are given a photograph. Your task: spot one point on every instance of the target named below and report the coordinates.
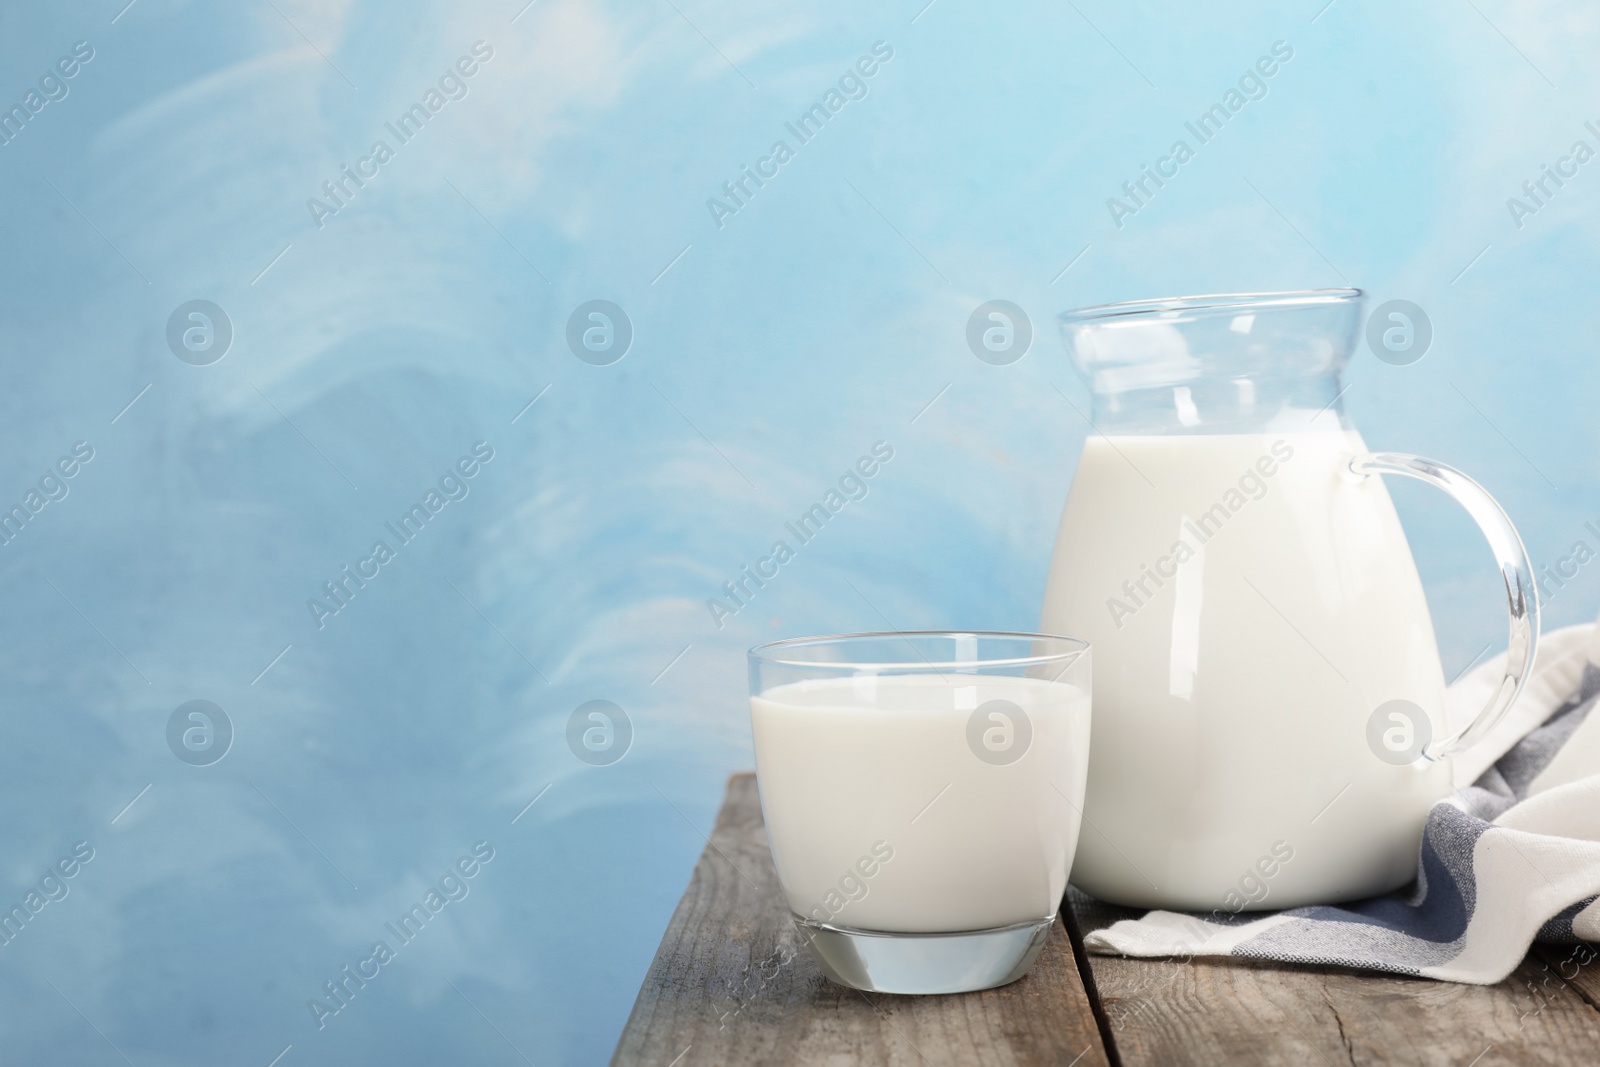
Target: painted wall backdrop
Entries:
(394, 218)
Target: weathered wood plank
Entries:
(1577, 965)
(732, 985)
(1246, 1012)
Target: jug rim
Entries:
(1210, 302)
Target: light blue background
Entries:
(821, 318)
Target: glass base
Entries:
(925, 963)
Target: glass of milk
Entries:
(922, 795)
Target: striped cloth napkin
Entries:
(1512, 857)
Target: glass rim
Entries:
(767, 653)
(1137, 309)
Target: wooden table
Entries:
(731, 985)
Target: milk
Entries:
(881, 816)
(1250, 602)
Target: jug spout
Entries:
(1234, 363)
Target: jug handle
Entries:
(1516, 570)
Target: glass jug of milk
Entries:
(1268, 714)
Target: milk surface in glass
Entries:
(882, 818)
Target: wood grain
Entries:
(1247, 1012)
(731, 985)
(1577, 965)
